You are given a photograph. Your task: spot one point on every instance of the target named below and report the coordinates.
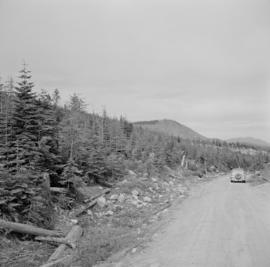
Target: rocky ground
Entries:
(128, 215)
(219, 224)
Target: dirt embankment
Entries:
(119, 222)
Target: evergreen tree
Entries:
(70, 174)
(6, 110)
(72, 128)
(48, 135)
(97, 157)
(23, 146)
(104, 130)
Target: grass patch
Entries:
(101, 242)
(17, 253)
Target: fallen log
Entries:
(103, 183)
(73, 236)
(92, 203)
(28, 229)
(99, 180)
(58, 190)
(104, 192)
(59, 240)
(83, 209)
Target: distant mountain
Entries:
(170, 127)
(249, 141)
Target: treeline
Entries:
(43, 144)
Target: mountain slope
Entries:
(249, 141)
(170, 127)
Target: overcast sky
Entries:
(204, 63)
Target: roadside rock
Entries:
(90, 213)
(101, 201)
(165, 184)
(121, 198)
(147, 199)
(74, 221)
(137, 203)
(151, 190)
(114, 197)
(135, 193)
(181, 189)
(108, 213)
(117, 208)
(130, 172)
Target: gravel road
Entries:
(220, 224)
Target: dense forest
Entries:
(39, 139)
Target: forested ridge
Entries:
(39, 139)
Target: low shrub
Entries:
(24, 198)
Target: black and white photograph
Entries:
(134, 133)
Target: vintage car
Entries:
(238, 176)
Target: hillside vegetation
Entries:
(250, 141)
(73, 147)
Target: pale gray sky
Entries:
(204, 63)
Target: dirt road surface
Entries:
(220, 224)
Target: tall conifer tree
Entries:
(23, 146)
(6, 109)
